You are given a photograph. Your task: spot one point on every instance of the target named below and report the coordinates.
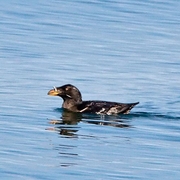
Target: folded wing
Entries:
(105, 107)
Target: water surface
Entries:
(111, 50)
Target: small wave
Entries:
(153, 115)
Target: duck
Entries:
(72, 101)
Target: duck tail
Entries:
(128, 107)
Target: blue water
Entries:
(111, 50)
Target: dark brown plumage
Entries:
(72, 101)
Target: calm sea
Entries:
(124, 51)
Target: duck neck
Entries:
(70, 104)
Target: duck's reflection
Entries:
(68, 124)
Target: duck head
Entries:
(66, 92)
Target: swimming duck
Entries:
(72, 101)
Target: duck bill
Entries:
(53, 92)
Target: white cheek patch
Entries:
(68, 96)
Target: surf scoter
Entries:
(73, 102)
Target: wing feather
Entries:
(105, 107)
